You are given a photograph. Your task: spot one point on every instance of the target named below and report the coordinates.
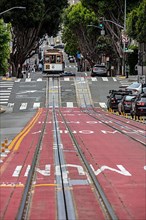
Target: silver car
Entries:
(99, 70)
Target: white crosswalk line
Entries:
(103, 104)
(5, 91)
(28, 80)
(3, 102)
(69, 104)
(36, 105)
(93, 79)
(39, 79)
(104, 78)
(17, 80)
(114, 79)
(66, 79)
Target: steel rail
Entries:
(96, 183)
(23, 208)
(68, 204)
(59, 157)
(101, 120)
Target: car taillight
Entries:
(140, 103)
(135, 91)
(113, 100)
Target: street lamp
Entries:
(16, 7)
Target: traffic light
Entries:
(101, 23)
(126, 46)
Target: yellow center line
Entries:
(22, 185)
(25, 129)
(26, 132)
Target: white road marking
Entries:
(17, 171)
(39, 79)
(94, 79)
(27, 79)
(104, 78)
(102, 104)
(36, 105)
(69, 104)
(23, 106)
(17, 80)
(66, 79)
(114, 79)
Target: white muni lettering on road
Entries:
(17, 171)
(121, 170)
(27, 170)
(46, 171)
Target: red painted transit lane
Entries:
(15, 166)
(118, 162)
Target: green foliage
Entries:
(30, 25)
(136, 23)
(4, 46)
(81, 33)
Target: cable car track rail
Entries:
(100, 193)
(105, 120)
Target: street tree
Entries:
(4, 47)
(113, 13)
(136, 23)
(29, 26)
(80, 36)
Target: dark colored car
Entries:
(139, 106)
(125, 105)
(115, 98)
(99, 70)
(66, 73)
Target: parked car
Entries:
(67, 73)
(125, 105)
(71, 59)
(144, 88)
(115, 97)
(139, 106)
(99, 70)
(135, 87)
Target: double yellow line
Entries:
(18, 139)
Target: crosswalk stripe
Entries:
(69, 104)
(28, 80)
(3, 102)
(104, 78)
(66, 79)
(17, 80)
(94, 79)
(114, 79)
(36, 105)
(5, 91)
(39, 79)
(103, 104)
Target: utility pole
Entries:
(124, 43)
